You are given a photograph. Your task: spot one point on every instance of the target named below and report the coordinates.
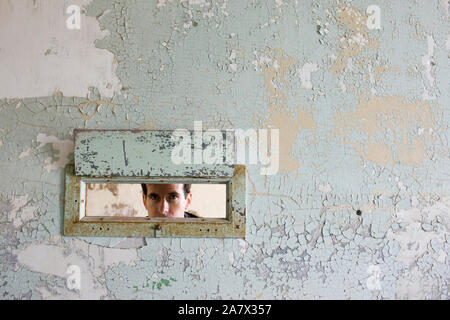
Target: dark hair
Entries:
(186, 189)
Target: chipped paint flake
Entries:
(92, 261)
(22, 211)
(428, 63)
(414, 238)
(305, 74)
(63, 149)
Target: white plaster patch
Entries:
(233, 67)
(275, 65)
(428, 63)
(21, 212)
(92, 260)
(305, 74)
(243, 246)
(442, 256)
(44, 258)
(325, 188)
(342, 85)
(201, 3)
(427, 59)
(231, 257)
(64, 148)
(413, 239)
(445, 7)
(358, 39)
(127, 243)
(113, 256)
(279, 3)
(261, 61)
(232, 58)
(413, 286)
(43, 56)
(161, 3)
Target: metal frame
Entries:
(233, 226)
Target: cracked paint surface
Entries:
(363, 117)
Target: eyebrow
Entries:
(170, 193)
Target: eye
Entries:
(154, 196)
(173, 197)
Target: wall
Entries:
(363, 117)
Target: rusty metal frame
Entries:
(233, 226)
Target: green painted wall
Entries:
(363, 119)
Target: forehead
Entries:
(164, 188)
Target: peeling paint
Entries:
(424, 225)
(67, 59)
(63, 149)
(54, 260)
(363, 121)
(22, 211)
(388, 137)
(428, 64)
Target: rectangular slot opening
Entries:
(126, 200)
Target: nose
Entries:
(164, 207)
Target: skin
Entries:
(166, 200)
